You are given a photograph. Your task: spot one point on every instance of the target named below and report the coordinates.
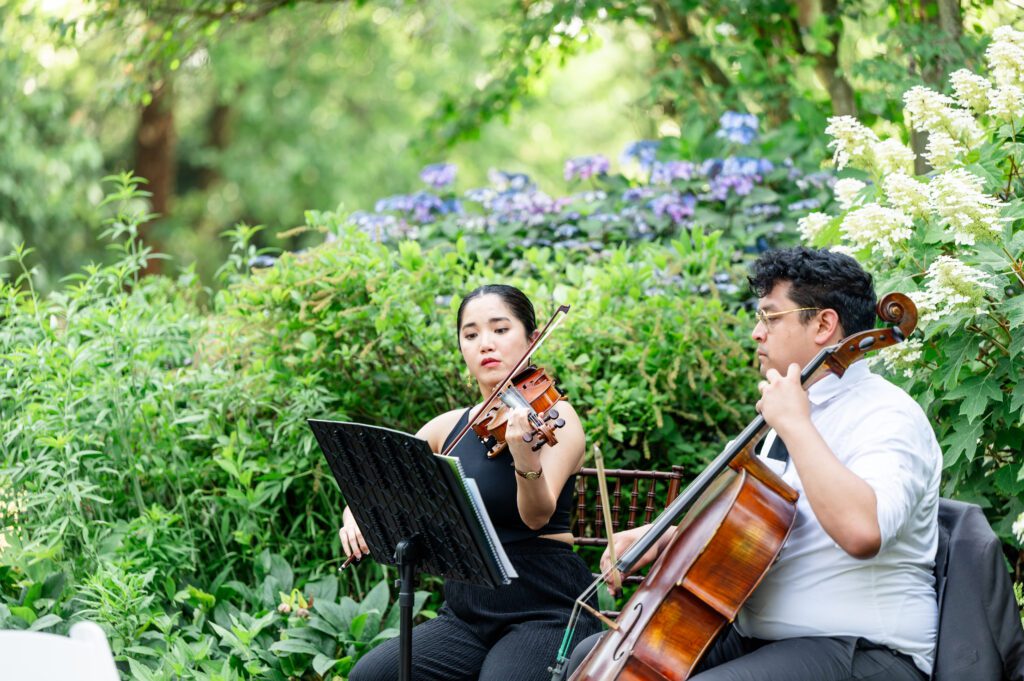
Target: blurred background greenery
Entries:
(258, 110)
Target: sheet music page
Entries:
(472, 495)
(485, 520)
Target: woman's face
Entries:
(492, 340)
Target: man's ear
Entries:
(829, 330)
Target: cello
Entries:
(736, 516)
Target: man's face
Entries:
(783, 338)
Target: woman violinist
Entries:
(512, 632)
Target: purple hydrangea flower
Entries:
(668, 172)
(438, 175)
(422, 206)
(383, 227)
(738, 127)
(676, 206)
(586, 167)
(637, 194)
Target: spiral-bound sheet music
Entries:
(397, 489)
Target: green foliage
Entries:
(159, 476)
(373, 327)
(49, 174)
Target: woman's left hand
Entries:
(517, 426)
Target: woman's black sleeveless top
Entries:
(496, 479)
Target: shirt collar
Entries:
(831, 385)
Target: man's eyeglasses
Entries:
(766, 317)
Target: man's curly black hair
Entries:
(819, 279)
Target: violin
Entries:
(534, 390)
(527, 387)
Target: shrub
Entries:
(954, 240)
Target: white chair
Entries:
(83, 655)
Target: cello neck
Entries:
(743, 445)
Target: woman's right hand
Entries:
(352, 542)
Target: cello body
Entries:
(720, 553)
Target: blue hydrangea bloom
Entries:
(643, 152)
(738, 127)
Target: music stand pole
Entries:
(406, 554)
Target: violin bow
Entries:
(552, 324)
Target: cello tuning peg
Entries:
(551, 415)
(528, 437)
(559, 423)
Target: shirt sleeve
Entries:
(894, 455)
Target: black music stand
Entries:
(415, 510)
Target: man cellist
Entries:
(852, 593)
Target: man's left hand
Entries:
(783, 400)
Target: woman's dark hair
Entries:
(820, 279)
(518, 303)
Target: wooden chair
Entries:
(637, 497)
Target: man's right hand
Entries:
(352, 542)
(623, 540)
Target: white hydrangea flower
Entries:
(950, 287)
(972, 91)
(811, 225)
(907, 194)
(1005, 57)
(851, 141)
(877, 228)
(902, 358)
(846, 191)
(924, 108)
(1018, 528)
(958, 198)
(932, 112)
(892, 156)
(942, 151)
(1007, 103)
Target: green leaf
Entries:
(322, 663)
(1017, 401)
(976, 392)
(378, 597)
(961, 441)
(45, 622)
(24, 613)
(294, 645)
(358, 625)
(1014, 308)
(141, 671)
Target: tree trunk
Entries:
(950, 21)
(840, 91)
(155, 160)
(218, 131)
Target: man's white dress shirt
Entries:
(817, 589)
